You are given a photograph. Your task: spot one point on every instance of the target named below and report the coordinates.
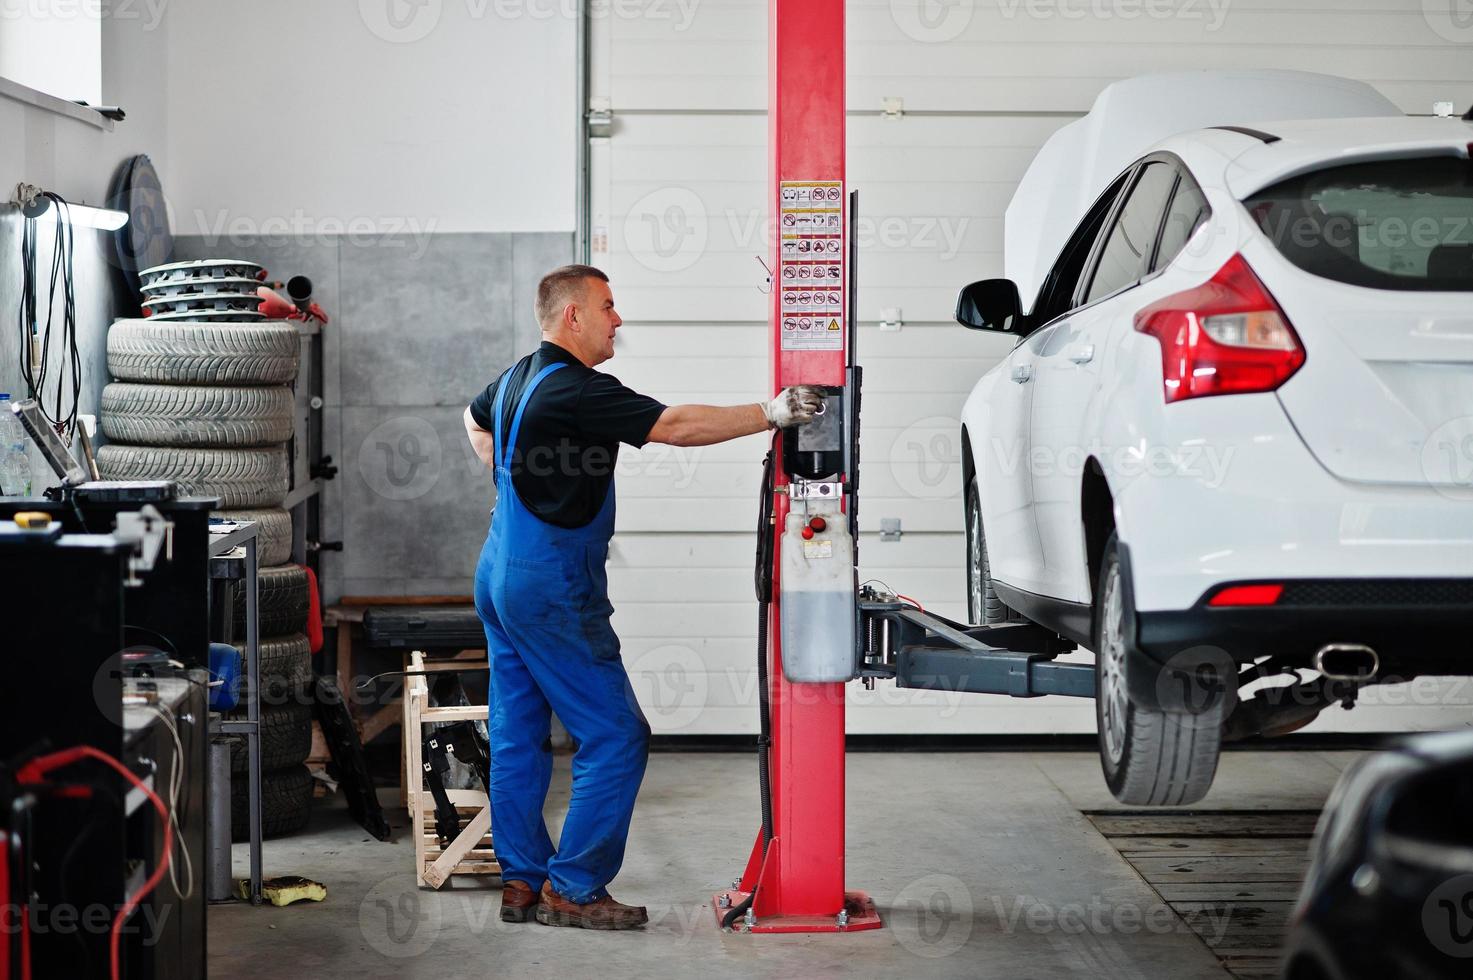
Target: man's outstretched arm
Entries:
(706, 425)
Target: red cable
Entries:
(911, 601)
(36, 770)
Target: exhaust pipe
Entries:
(1352, 662)
(1343, 667)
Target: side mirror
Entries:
(991, 304)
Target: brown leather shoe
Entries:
(605, 913)
(518, 901)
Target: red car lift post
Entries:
(800, 882)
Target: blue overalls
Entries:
(542, 593)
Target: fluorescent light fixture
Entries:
(85, 215)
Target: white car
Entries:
(1235, 436)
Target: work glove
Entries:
(794, 406)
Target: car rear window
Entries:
(1392, 224)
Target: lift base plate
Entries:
(861, 909)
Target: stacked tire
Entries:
(209, 405)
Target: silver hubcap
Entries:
(974, 556)
(1111, 656)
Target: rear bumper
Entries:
(1416, 626)
(1268, 511)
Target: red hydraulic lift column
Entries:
(799, 883)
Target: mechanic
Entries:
(550, 429)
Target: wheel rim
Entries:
(1112, 695)
(974, 558)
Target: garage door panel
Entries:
(920, 237)
(920, 463)
(695, 515)
(1437, 58)
(696, 339)
(930, 586)
(1022, 56)
(659, 153)
(645, 550)
(871, 716)
(656, 372)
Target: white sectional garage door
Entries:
(679, 221)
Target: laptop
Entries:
(74, 477)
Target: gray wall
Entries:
(419, 325)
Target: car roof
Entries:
(1247, 159)
(1130, 116)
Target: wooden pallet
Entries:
(472, 851)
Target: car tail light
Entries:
(1226, 336)
(1247, 595)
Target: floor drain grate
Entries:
(1232, 875)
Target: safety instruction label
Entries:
(818, 549)
(811, 264)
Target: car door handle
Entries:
(1021, 373)
(1082, 353)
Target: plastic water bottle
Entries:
(15, 463)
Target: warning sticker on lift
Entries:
(811, 258)
(818, 549)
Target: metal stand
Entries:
(308, 466)
(233, 556)
(218, 884)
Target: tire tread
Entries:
(203, 353)
(196, 416)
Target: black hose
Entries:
(764, 738)
(763, 582)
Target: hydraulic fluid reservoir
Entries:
(817, 610)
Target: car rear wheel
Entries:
(1150, 756)
(984, 607)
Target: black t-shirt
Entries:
(569, 441)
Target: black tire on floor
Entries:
(282, 602)
(1150, 756)
(286, 803)
(984, 607)
(196, 415)
(286, 737)
(239, 477)
(203, 353)
(273, 537)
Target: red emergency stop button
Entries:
(807, 533)
(818, 524)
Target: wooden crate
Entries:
(472, 851)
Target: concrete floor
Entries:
(981, 865)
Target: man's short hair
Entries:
(562, 286)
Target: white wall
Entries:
(76, 159)
(54, 46)
(307, 118)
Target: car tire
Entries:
(239, 477)
(282, 602)
(1150, 756)
(286, 668)
(273, 535)
(286, 803)
(203, 353)
(286, 736)
(984, 607)
(196, 415)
